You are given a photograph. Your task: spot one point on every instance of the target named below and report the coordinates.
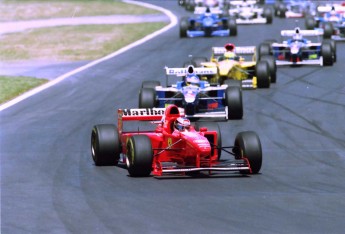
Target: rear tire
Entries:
(262, 74)
(233, 100)
(272, 66)
(310, 23)
(268, 15)
(139, 156)
(264, 49)
(327, 55)
(147, 98)
(184, 23)
(232, 27)
(105, 145)
(328, 30)
(247, 145)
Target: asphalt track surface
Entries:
(49, 183)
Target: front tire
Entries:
(327, 54)
(139, 156)
(247, 145)
(105, 145)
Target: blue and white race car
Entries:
(207, 24)
(297, 50)
(196, 96)
(331, 19)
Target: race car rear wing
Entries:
(290, 33)
(239, 50)
(202, 10)
(337, 8)
(184, 71)
(141, 114)
(240, 3)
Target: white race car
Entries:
(249, 12)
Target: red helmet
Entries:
(229, 47)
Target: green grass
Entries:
(15, 10)
(11, 87)
(86, 42)
(68, 43)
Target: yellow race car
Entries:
(234, 70)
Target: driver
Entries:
(192, 79)
(181, 124)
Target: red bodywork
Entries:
(173, 151)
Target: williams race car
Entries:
(297, 50)
(232, 68)
(295, 9)
(331, 19)
(173, 146)
(198, 98)
(249, 12)
(207, 24)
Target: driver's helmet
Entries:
(192, 79)
(229, 55)
(181, 123)
(208, 12)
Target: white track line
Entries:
(173, 22)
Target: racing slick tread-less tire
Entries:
(232, 27)
(247, 145)
(147, 98)
(183, 27)
(211, 127)
(264, 49)
(139, 156)
(272, 66)
(262, 74)
(328, 30)
(105, 145)
(150, 84)
(310, 23)
(334, 48)
(233, 100)
(327, 55)
(268, 15)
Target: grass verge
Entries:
(14, 10)
(11, 87)
(86, 42)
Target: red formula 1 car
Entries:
(174, 146)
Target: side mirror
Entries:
(203, 129)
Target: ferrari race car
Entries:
(294, 9)
(173, 147)
(236, 70)
(198, 98)
(330, 19)
(207, 24)
(248, 12)
(297, 50)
